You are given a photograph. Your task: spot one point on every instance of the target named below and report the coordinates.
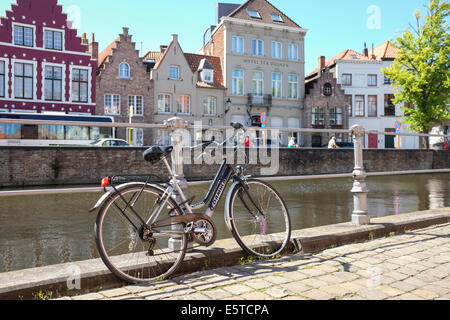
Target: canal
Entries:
(52, 229)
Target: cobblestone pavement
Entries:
(412, 266)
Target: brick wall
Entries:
(21, 166)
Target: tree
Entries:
(420, 74)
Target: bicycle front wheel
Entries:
(259, 219)
(124, 248)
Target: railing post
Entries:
(360, 213)
(176, 125)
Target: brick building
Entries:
(44, 67)
(326, 106)
(123, 83)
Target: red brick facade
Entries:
(137, 83)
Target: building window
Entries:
(164, 103)
(372, 106)
(372, 80)
(238, 45)
(293, 86)
(318, 116)
(387, 80)
(276, 17)
(23, 81)
(2, 79)
(136, 103)
(238, 83)
(389, 107)
(327, 89)
(336, 116)
(53, 83)
(254, 14)
(23, 36)
(276, 85)
(112, 104)
(207, 76)
(184, 104)
(124, 70)
(174, 73)
(80, 85)
(359, 106)
(258, 83)
(277, 50)
(53, 40)
(346, 79)
(210, 106)
(349, 104)
(293, 52)
(258, 48)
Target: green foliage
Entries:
(420, 74)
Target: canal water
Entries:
(52, 229)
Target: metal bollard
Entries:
(176, 124)
(360, 213)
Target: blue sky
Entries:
(334, 25)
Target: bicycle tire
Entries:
(254, 237)
(160, 270)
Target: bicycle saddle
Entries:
(157, 153)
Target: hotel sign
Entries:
(266, 63)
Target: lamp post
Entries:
(228, 106)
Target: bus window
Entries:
(10, 131)
(48, 132)
(77, 133)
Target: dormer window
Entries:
(206, 70)
(124, 70)
(207, 76)
(254, 14)
(276, 17)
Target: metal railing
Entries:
(360, 191)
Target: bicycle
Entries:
(142, 229)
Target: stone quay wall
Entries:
(46, 166)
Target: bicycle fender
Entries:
(111, 191)
(227, 213)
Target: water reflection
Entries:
(52, 229)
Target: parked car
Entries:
(110, 143)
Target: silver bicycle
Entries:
(142, 230)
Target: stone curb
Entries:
(94, 276)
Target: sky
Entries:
(333, 25)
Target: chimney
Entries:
(365, 51)
(163, 48)
(84, 39)
(125, 31)
(321, 62)
(175, 38)
(373, 53)
(93, 48)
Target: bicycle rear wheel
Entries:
(259, 219)
(120, 239)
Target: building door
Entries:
(373, 141)
(30, 132)
(389, 141)
(317, 141)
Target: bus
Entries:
(53, 135)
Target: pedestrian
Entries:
(247, 142)
(292, 143)
(332, 144)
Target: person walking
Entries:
(292, 143)
(332, 144)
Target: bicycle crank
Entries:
(204, 232)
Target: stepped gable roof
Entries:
(265, 9)
(198, 62)
(386, 50)
(107, 52)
